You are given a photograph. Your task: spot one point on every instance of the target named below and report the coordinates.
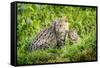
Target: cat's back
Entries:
(45, 38)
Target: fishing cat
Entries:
(55, 35)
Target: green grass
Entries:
(32, 18)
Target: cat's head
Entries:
(61, 25)
(73, 36)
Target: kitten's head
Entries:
(73, 36)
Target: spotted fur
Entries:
(54, 35)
